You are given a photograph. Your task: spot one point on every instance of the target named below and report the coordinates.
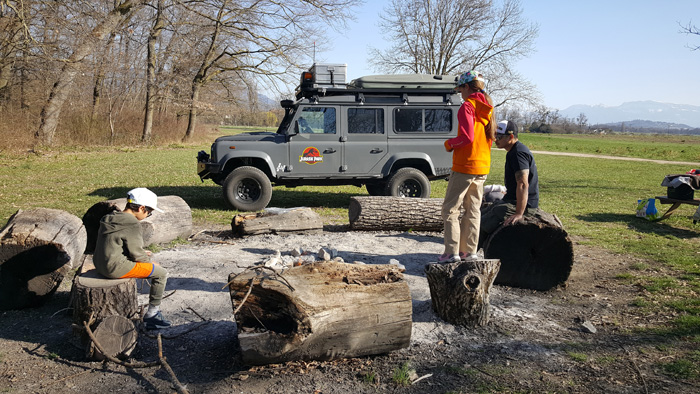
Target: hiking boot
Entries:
(156, 321)
(448, 258)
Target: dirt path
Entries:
(535, 342)
(615, 157)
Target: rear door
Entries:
(365, 140)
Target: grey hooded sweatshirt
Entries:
(119, 245)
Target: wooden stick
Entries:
(178, 386)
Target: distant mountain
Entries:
(684, 115)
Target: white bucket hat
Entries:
(143, 196)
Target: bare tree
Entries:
(451, 36)
(51, 112)
(691, 29)
(264, 38)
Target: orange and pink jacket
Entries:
(471, 150)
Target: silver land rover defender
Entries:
(385, 132)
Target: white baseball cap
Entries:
(143, 196)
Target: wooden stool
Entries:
(460, 291)
(110, 304)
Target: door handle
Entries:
(376, 150)
(329, 150)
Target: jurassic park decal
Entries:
(311, 156)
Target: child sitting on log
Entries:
(119, 251)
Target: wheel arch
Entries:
(258, 160)
(419, 161)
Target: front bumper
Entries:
(206, 168)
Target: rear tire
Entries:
(247, 189)
(408, 182)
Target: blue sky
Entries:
(587, 52)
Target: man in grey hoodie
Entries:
(119, 251)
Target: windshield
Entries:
(287, 120)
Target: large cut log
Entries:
(460, 291)
(298, 220)
(161, 227)
(37, 248)
(395, 213)
(97, 299)
(321, 311)
(536, 253)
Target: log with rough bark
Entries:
(98, 299)
(161, 227)
(535, 253)
(460, 291)
(395, 213)
(37, 248)
(298, 220)
(320, 311)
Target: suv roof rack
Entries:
(329, 80)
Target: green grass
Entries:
(402, 375)
(369, 377)
(579, 357)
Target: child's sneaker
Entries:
(448, 258)
(156, 321)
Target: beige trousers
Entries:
(462, 190)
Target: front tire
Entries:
(247, 189)
(408, 182)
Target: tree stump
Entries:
(535, 253)
(98, 299)
(298, 220)
(321, 311)
(37, 248)
(395, 213)
(161, 227)
(460, 291)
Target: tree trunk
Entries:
(161, 227)
(299, 220)
(192, 119)
(151, 73)
(100, 300)
(321, 311)
(460, 291)
(395, 213)
(99, 79)
(60, 91)
(37, 248)
(535, 253)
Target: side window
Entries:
(407, 120)
(365, 121)
(438, 120)
(317, 120)
(426, 120)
